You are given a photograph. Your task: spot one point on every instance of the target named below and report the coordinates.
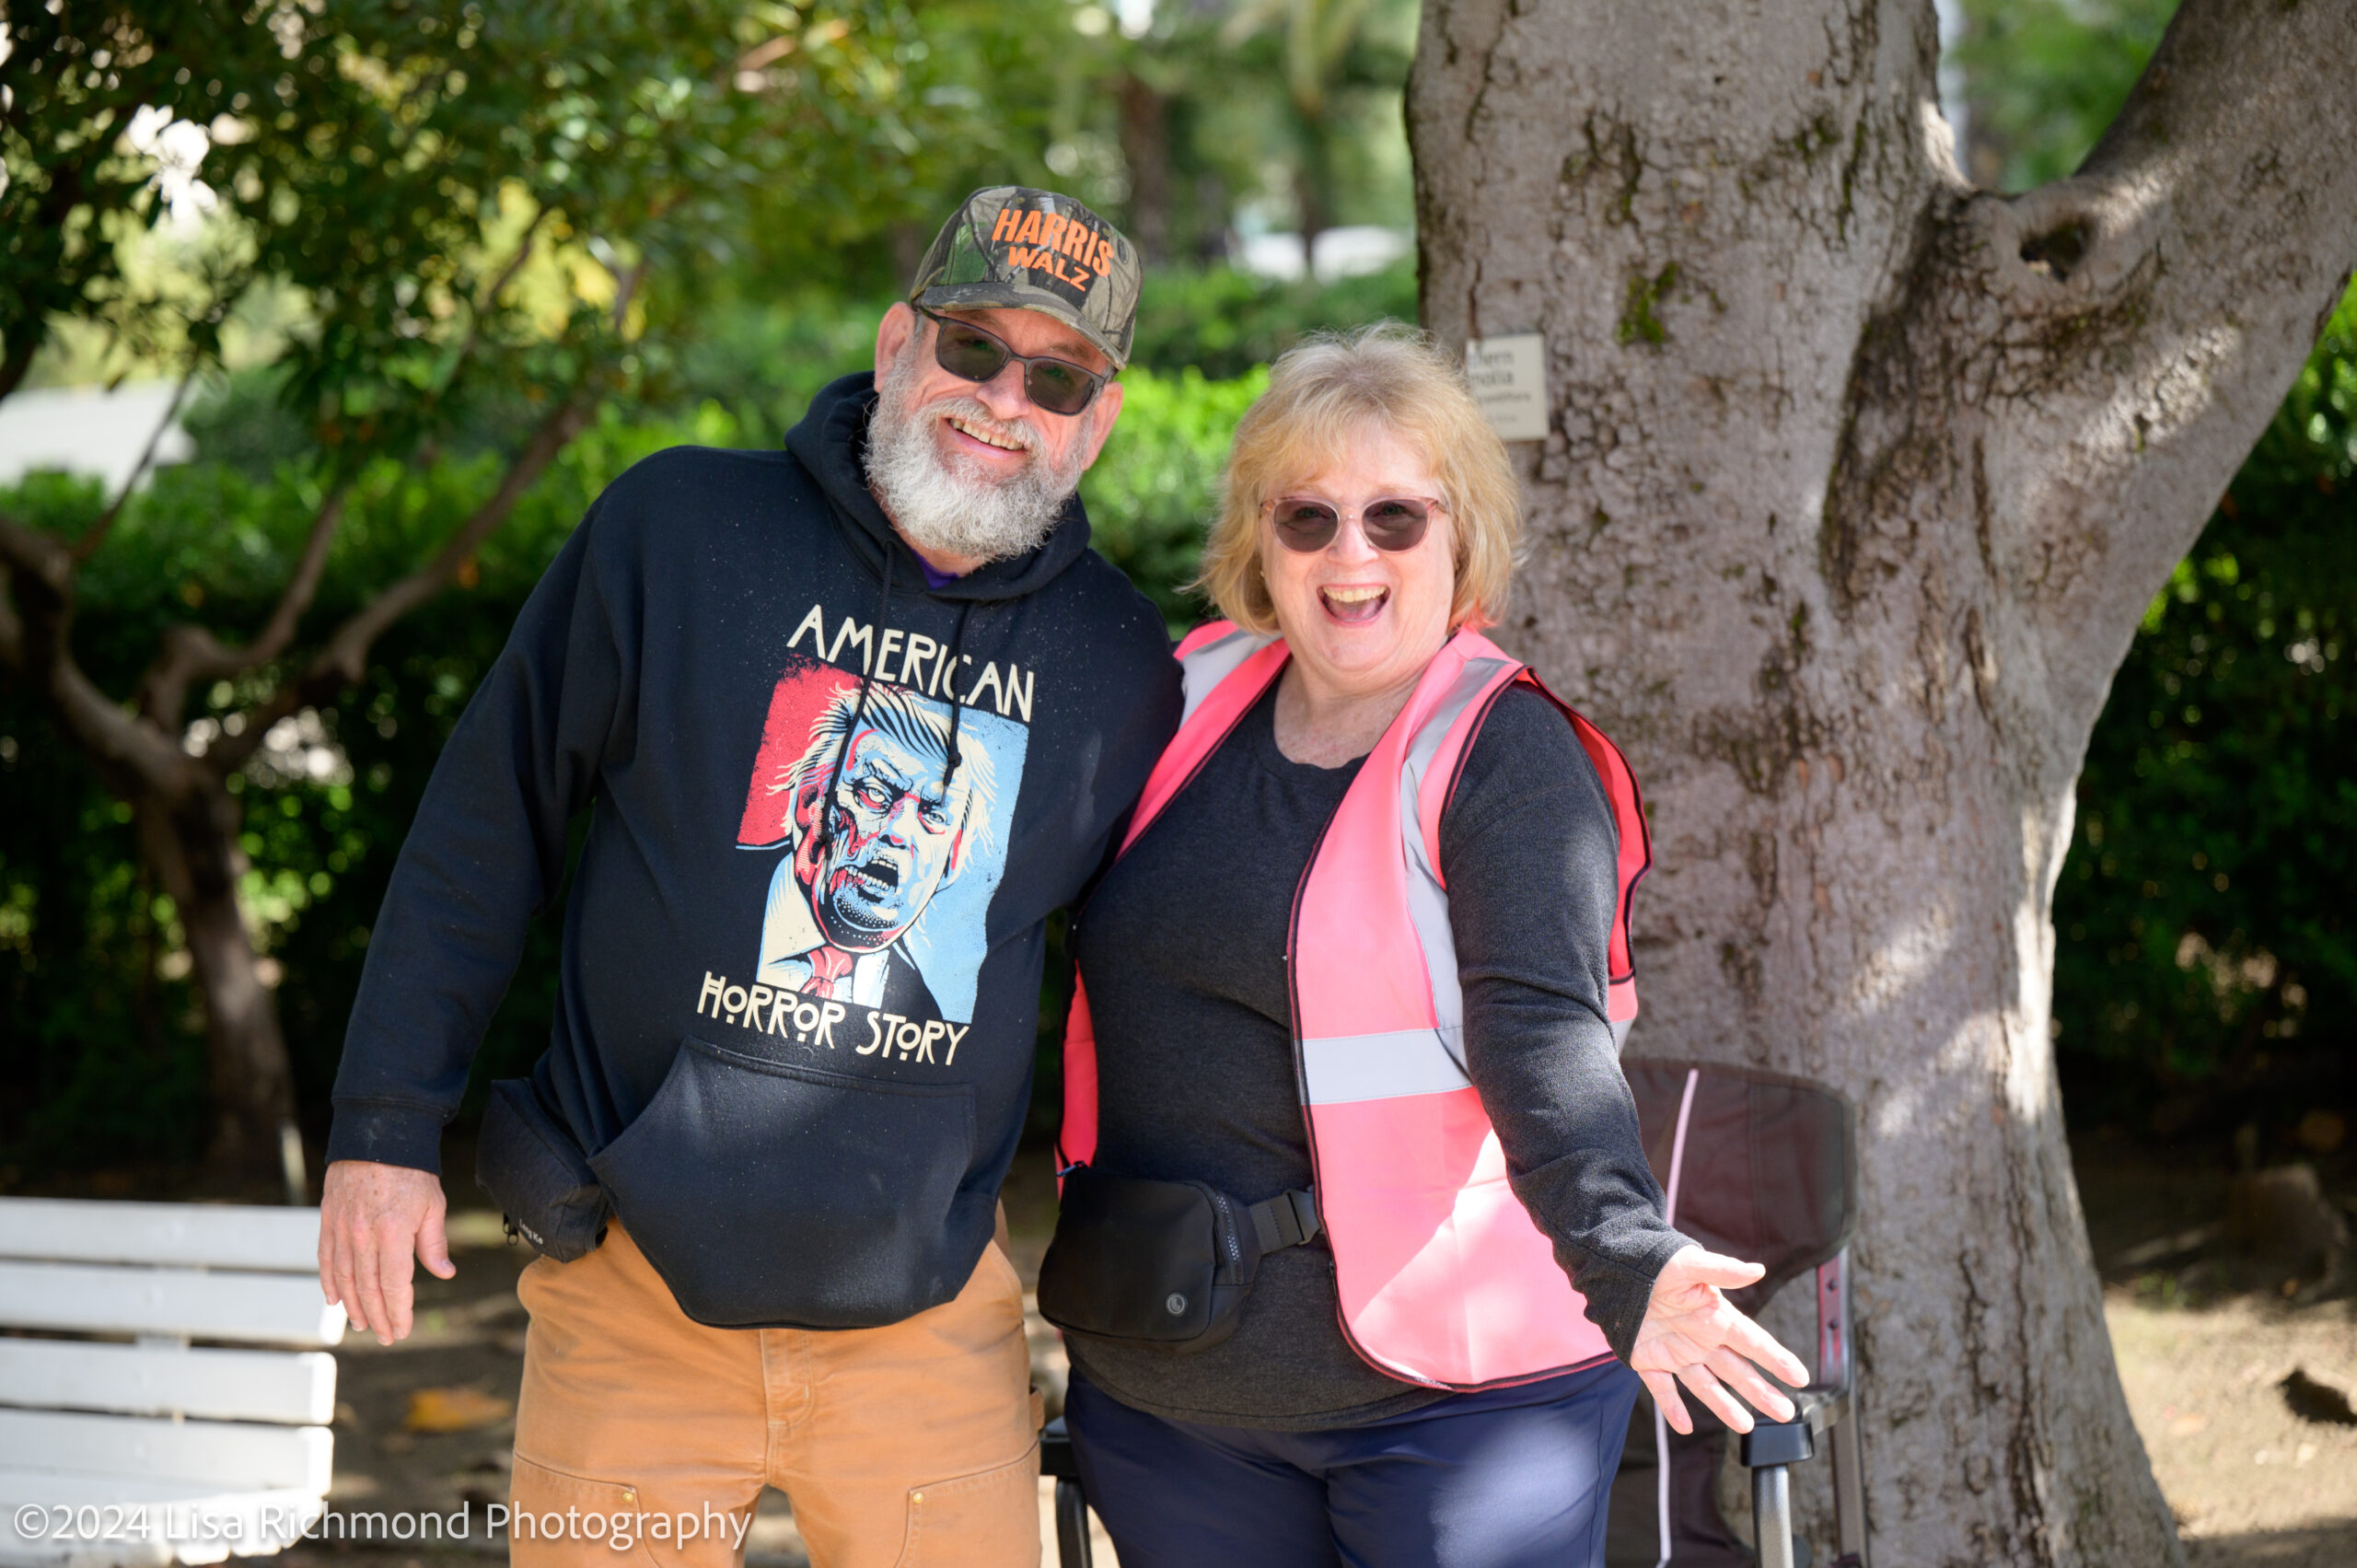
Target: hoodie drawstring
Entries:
(949, 685)
(859, 712)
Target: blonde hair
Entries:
(1323, 393)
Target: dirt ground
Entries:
(2232, 1367)
(2239, 1371)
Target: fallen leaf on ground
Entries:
(455, 1410)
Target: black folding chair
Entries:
(1761, 1165)
(1072, 1550)
(1756, 1164)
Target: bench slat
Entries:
(184, 1520)
(276, 1240)
(295, 1389)
(246, 1308)
(219, 1453)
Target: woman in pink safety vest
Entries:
(1359, 1248)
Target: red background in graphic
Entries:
(801, 696)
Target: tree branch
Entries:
(129, 753)
(96, 534)
(2119, 339)
(192, 653)
(488, 299)
(345, 657)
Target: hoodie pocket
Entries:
(529, 1164)
(768, 1195)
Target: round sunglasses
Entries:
(974, 354)
(1304, 523)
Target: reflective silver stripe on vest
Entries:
(1381, 1066)
(1203, 670)
(1427, 900)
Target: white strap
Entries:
(1661, 1425)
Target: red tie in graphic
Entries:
(829, 968)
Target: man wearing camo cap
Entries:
(855, 718)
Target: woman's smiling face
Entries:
(1359, 619)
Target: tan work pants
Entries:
(644, 1437)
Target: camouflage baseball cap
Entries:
(1011, 247)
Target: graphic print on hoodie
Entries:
(879, 899)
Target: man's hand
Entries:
(1691, 1335)
(372, 1218)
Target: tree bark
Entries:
(1857, 484)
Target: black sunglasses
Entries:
(1394, 522)
(976, 354)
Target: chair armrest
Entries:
(1790, 1442)
(1056, 1457)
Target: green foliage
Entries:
(1223, 322)
(2205, 941)
(106, 1062)
(2045, 78)
(764, 362)
(1154, 492)
(481, 213)
(87, 91)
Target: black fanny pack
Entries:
(1162, 1265)
(529, 1165)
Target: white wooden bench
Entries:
(129, 1445)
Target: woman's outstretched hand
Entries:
(1691, 1335)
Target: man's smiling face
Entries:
(973, 471)
(892, 844)
(991, 432)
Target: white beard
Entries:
(944, 503)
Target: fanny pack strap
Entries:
(1289, 1219)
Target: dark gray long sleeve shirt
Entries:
(1184, 949)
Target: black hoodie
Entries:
(795, 1043)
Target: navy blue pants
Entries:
(1514, 1478)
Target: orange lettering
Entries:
(1052, 233)
(1103, 260)
(1008, 217)
(1079, 242)
(1029, 232)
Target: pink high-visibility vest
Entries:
(1443, 1279)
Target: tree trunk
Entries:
(1146, 149)
(1313, 188)
(193, 842)
(1857, 482)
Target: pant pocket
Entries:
(561, 1518)
(988, 1519)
